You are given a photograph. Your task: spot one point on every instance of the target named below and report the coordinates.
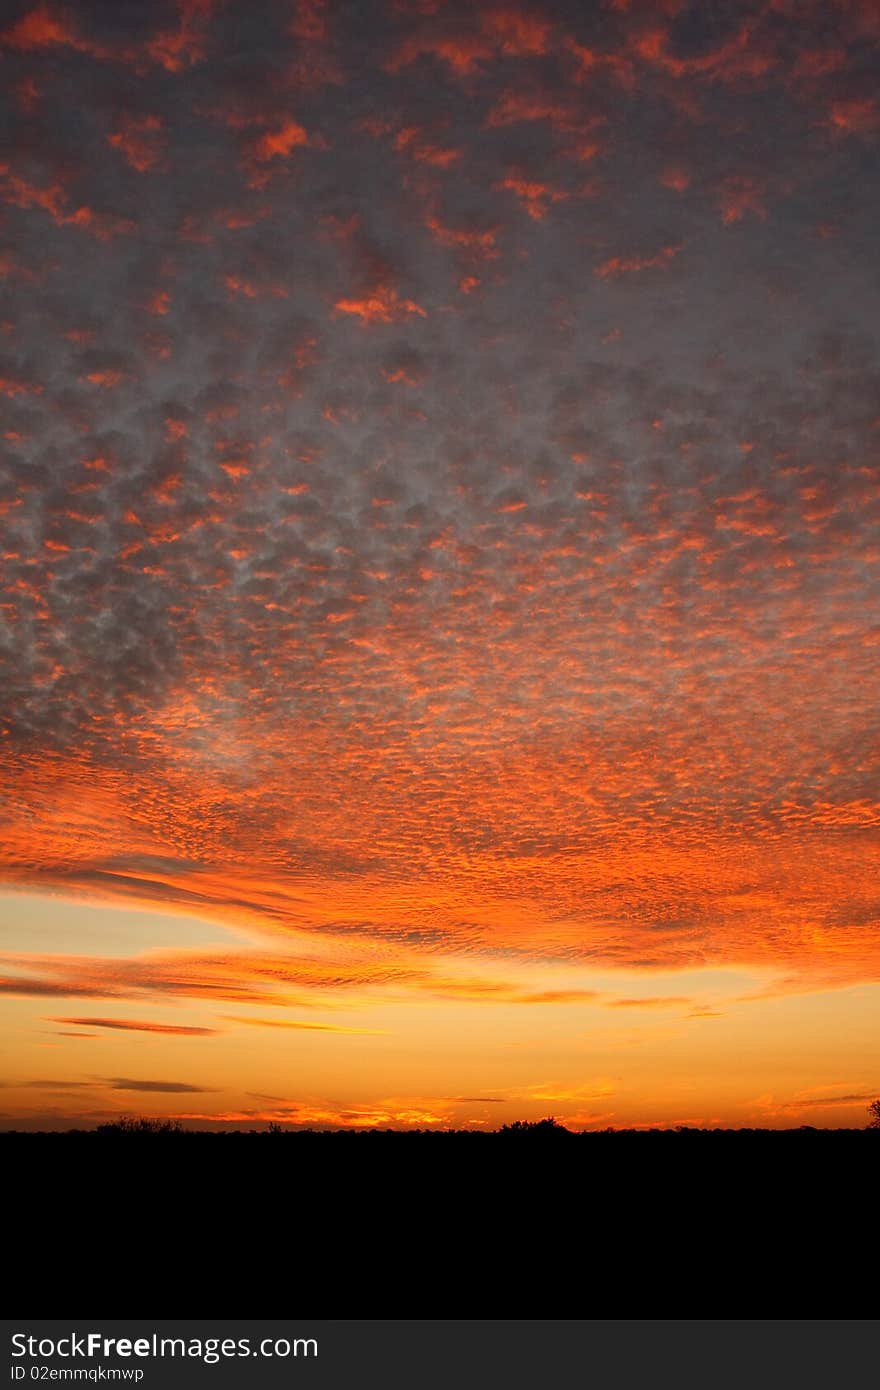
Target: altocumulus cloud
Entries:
(439, 482)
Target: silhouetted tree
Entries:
(874, 1112)
(128, 1124)
(550, 1125)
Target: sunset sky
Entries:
(439, 562)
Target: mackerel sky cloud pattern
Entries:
(439, 490)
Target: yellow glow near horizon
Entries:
(478, 1043)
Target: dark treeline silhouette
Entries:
(548, 1128)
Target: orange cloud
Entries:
(583, 132)
(107, 377)
(160, 303)
(537, 198)
(46, 27)
(278, 143)
(252, 977)
(676, 177)
(477, 241)
(463, 54)
(11, 387)
(49, 26)
(855, 116)
(738, 196)
(381, 305)
(740, 57)
(412, 140)
(630, 265)
(140, 141)
(53, 199)
(502, 32)
(518, 33)
(185, 46)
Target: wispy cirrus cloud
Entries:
(139, 1026)
(258, 977)
(127, 1083)
(303, 1024)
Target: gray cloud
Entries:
(123, 1083)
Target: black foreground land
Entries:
(525, 1222)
